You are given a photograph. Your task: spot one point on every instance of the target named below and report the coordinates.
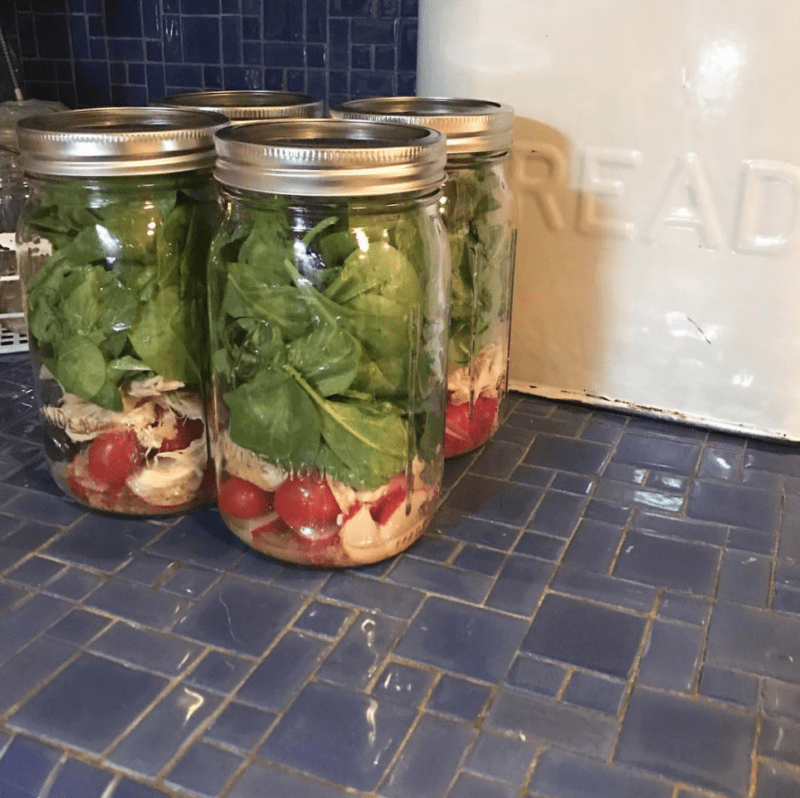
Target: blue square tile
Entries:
(703, 745)
(25, 766)
(652, 452)
(498, 458)
(567, 454)
(599, 587)
(473, 642)
(493, 500)
(323, 619)
(403, 683)
(746, 639)
(435, 578)
(35, 572)
(328, 732)
(203, 770)
(20, 543)
(355, 658)
(138, 604)
(557, 514)
(671, 656)
(433, 547)
(536, 676)
(23, 672)
(561, 774)
(260, 779)
(219, 672)
(283, 672)
(157, 738)
(670, 526)
(455, 524)
(392, 600)
(240, 726)
(586, 635)
(593, 546)
(200, 39)
(469, 786)
(674, 564)
(241, 616)
(430, 758)
(543, 547)
(103, 543)
(133, 789)
(78, 627)
(145, 569)
(201, 539)
(151, 650)
(520, 584)
(591, 691)
(190, 582)
(74, 583)
(726, 685)
(776, 782)
(78, 778)
(745, 578)
(682, 607)
(9, 596)
(735, 505)
(481, 560)
(497, 756)
(532, 717)
(81, 706)
(27, 620)
(458, 698)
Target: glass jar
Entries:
(477, 211)
(13, 193)
(249, 105)
(328, 294)
(113, 247)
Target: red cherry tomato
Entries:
(306, 500)
(384, 508)
(483, 416)
(188, 430)
(456, 430)
(239, 498)
(274, 528)
(114, 456)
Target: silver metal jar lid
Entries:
(249, 105)
(471, 126)
(327, 157)
(101, 142)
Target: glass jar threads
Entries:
(328, 299)
(478, 214)
(249, 105)
(112, 255)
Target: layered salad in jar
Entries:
(481, 245)
(113, 276)
(328, 338)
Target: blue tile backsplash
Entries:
(134, 52)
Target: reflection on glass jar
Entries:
(477, 212)
(113, 270)
(328, 302)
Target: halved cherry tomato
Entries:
(114, 456)
(188, 430)
(276, 526)
(484, 414)
(240, 498)
(306, 500)
(89, 490)
(384, 508)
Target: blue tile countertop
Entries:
(606, 606)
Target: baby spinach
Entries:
(312, 334)
(119, 296)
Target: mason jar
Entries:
(112, 251)
(328, 294)
(249, 105)
(478, 213)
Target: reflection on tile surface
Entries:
(79, 779)
(342, 736)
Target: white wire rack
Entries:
(10, 339)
